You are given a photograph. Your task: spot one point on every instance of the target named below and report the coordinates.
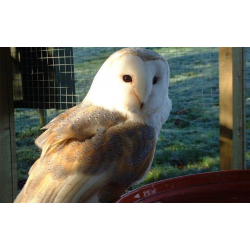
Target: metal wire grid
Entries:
(194, 90)
(43, 77)
(194, 121)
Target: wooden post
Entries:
(232, 109)
(42, 117)
(8, 176)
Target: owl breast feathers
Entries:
(93, 152)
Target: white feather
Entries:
(109, 91)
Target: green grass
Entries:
(27, 153)
(159, 172)
(189, 141)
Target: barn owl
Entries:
(94, 151)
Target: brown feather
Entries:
(89, 152)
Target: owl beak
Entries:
(141, 104)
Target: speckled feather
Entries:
(144, 54)
(85, 144)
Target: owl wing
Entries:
(93, 155)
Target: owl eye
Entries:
(127, 78)
(155, 80)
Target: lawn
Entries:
(189, 141)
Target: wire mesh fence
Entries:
(189, 141)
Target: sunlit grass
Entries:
(159, 172)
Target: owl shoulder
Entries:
(79, 123)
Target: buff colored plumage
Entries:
(96, 150)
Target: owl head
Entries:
(133, 81)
